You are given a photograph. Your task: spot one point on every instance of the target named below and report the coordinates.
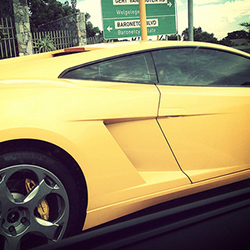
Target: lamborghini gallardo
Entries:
(94, 133)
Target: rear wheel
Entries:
(39, 202)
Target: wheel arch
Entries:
(55, 152)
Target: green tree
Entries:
(200, 35)
(226, 41)
(246, 25)
(45, 11)
(73, 3)
(174, 37)
(6, 8)
(238, 34)
(91, 30)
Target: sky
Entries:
(213, 16)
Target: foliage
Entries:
(226, 41)
(238, 34)
(6, 8)
(45, 11)
(200, 35)
(45, 45)
(247, 26)
(174, 37)
(91, 30)
(73, 3)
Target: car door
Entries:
(133, 145)
(205, 109)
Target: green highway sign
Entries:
(121, 18)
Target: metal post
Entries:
(142, 8)
(190, 20)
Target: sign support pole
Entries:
(190, 20)
(143, 20)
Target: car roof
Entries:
(49, 66)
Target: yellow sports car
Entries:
(89, 137)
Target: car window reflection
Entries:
(201, 67)
(136, 68)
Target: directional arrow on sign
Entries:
(125, 12)
(109, 29)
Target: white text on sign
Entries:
(135, 24)
(118, 2)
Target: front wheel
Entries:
(39, 202)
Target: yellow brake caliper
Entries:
(43, 207)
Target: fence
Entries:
(9, 46)
(8, 43)
(95, 39)
(61, 39)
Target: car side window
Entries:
(201, 67)
(138, 68)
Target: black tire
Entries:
(39, 201)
